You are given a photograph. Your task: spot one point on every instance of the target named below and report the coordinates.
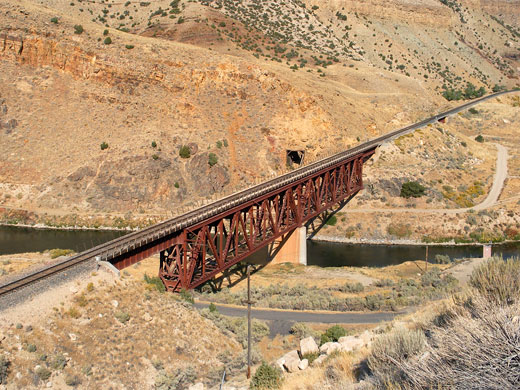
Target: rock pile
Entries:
(296, 360)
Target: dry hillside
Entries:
(98, 97)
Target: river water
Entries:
(324, 254)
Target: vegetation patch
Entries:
(266, 377)
(469, 345)
(412, 189)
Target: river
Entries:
(323, 254)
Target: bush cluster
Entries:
(237, 326)
(154, 282)
(184, 151)
(412, 189)
(332, 334)
(266, 377)
(406, 292)
(471, 345)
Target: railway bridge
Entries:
(198, 245)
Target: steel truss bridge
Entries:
(197, 246)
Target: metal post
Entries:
(248, 321)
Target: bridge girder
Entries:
(200, 252)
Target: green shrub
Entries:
(177, 379)
(498, 280)
(54, 20)
(219, 144)
(333, 334)
(498, 88)
(266, 377)
(154, 144)
(222, 24)
(72, 380)
(237, 326)
(78, 29)
(412, 189)
(479, 138)
(187, 296)
(156, 282)
(176, 184)
(399, 230)
(311, 356)
(104, 145)
(442, 259)
(31, 348)
(155, 156)
(122, 316)
(107, 41)
(43, 373)
(59, 362)
(105, 32)
(184, 151)
(212, 307)
(332, 221)
(473, 111)
(212, 159)
(55, 253)
(384, 282)
(129, 47)
(4, 368)
(301, 330)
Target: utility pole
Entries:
(249, 321)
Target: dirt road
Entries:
(491, 199)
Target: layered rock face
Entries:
(63, 95)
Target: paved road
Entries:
(282, 320)
(491, 199)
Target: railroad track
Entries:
(142, 237)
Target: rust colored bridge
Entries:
(200, 244)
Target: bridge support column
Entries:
(291, 248)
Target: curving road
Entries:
(491, 199)
(282, 320)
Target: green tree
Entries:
(412, 189)
(184, 151)
(212, 159)
(333, 334)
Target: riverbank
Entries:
(388, 241)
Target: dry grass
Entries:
(101, 342)
(474, 343)
(19, 262)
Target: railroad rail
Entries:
(160, 237)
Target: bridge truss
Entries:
(202, 251)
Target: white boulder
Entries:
(308, 345)
(330, 347)
(292, 361)
(350, 343)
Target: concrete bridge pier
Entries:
(292, 248)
